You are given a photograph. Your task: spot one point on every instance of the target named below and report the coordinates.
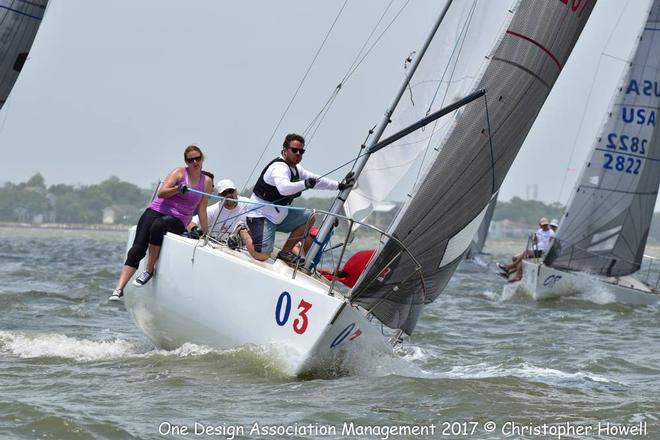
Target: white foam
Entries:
(41, 345)
(524, 370)
(517, 290)
(594, 291)
(186, 350)
(413, 353)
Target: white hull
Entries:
(221, 298)
(544, 282)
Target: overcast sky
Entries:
(122, 87)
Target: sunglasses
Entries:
(227, 192)
(193, 159)
(300, 151)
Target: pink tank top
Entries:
(180, 206)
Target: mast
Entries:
(328, 221)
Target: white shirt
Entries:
(222, 221)
(279, 175)
(543, 239)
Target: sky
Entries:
(122, 87)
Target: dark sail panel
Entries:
(19, 22)
(439, 221)
(606, 224)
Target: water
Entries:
(73, 366)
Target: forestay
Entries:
(606, 224)
(438, 222)
(19, 22)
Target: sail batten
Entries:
(435, 224)
(607, 220)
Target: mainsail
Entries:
(607, 221)
(19, 22)
(449, 203)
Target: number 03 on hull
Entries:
(254, 303)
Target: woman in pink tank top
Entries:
(170, 211)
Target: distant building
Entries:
(120, 214)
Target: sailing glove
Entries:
(310, 182)
(182, 188)
(196, 232)
(348, 181)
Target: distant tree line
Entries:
(528, 212)
(60, 203)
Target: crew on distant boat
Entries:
(554, 225)
(280, 182)
(540, 244)
(171, 211)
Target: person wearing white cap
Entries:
(542, 237)
(224, 216)
(554, 225)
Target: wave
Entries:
(259, 359)
(61, 346)
(526, 371)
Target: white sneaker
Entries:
(143, 278)
(117, 295)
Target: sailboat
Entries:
(474, 258)
(601, 239)
(19, 23)
(205, 293)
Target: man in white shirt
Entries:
(543, 238)
(280, 182)
(223, 217)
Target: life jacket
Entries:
(269, 192)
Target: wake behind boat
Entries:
(205, 293)
(601, 239)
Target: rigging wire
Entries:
(354, 66)
(295, 94)
(460, 41)
(339, 86)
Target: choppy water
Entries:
(73, 366)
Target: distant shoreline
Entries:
(66, 226)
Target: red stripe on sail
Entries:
(539, 45)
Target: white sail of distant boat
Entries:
(19, 23)
(475, 255)
(203, 292)
(606, 224)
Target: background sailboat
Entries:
(19, 23)
(479, 239)
(606, 224)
